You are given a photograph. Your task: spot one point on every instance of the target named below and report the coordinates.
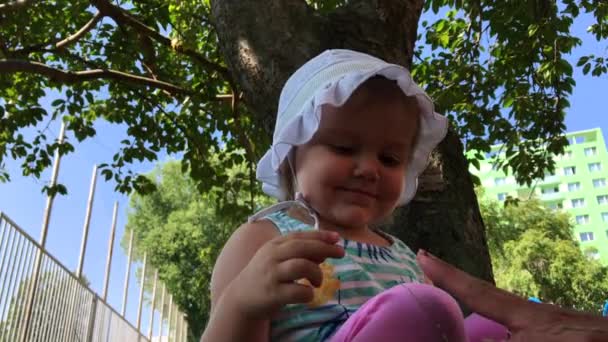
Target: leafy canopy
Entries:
(497, 68)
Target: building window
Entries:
(582, 219)
(567, 155)
(555, 205)
(605, 217)
(586, 236)
(570, 170)
(576, 140)
(590, 151)
(502, 196)
(595, 255)
(574, 186)
(550, 190)
(602, 199)
(599, 183)
(500, 181)
(578, 203)
(594, 167)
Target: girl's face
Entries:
(352, 170)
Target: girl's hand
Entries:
(527, 321)
(268, 282)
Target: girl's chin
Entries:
(352, 218)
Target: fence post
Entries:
(92, 319)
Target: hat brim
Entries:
(304, 122)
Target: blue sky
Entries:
(23, 201)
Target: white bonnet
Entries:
(331, 78)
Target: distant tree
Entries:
(182, 231)
(62, 306)
(534, 254)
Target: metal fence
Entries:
(41, 300)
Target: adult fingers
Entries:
(294, 269)
(481, 296)
(592, 330)
(528, 321)
(311, 249)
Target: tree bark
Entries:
(263, 42)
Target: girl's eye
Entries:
(342, 149)
(390, 160)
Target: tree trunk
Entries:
(263, 42)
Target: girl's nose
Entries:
(367, 167)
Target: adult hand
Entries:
(527, 321)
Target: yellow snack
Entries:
(329, 286)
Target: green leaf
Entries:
(582, 60)
(586, 68)
(532, 29)
(57, 102)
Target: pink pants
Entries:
(417, 312)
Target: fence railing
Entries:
(47, 302)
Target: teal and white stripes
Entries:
(365, 271)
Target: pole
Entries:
(45, 225)
(49, 199)
(162, 310)
(87, 222)
(106, 280)
(126, 287)
(141, 294)
(169, 316)
(153, 305)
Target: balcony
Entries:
(551, 196)
(553, 179)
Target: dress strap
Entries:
(299, 201)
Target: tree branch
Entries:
(60, 43)
(12, 66)
(13, 6)
(122, 17)
(83, 30)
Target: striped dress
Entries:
(364, 271)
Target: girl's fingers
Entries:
(311, 249)
(291, 293)
(294, 269)
(327, 236)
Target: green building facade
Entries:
(578, 186)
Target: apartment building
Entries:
(579, 186)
